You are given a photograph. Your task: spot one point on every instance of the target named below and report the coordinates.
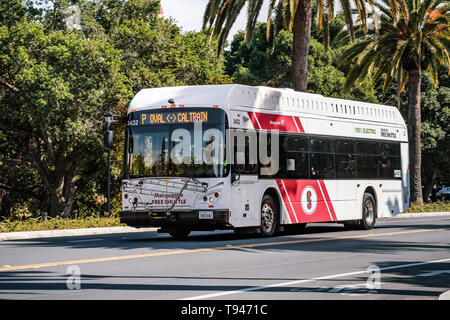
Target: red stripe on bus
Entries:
(275, 122)
(299, 124)
(254, 120)
(286, 201)
(293, 191)
(327, 197)
(267, 121)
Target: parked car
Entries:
(444, 193)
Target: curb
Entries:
(70, 233)
(445, 296)
(422, 214)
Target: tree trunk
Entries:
(6, 203)
(429, 185)
(62, 195)
(300, 50)
(414, 121)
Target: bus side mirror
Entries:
(235, 176)
(108, 139)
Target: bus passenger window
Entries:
(322, 165)
(294, 157)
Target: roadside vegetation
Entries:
(438, 206)
(36, 224)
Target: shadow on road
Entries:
(316, 238)
(407, 283)
(313, 237)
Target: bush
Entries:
(9, 225)
(438, 206)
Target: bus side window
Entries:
(345, 159)
(367, 159)
(294, 157)
(389, 160)
(322, 159)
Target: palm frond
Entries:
(413, 34)
(254, 7)
(346, 8)
(269, 17)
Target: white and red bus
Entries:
(258, 158)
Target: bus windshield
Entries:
(181, 142)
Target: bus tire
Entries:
(269, 216)
(179, 233)
(369, 212)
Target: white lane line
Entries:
(404, 220)
(296, 282)
(86, 240)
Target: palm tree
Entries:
(294, 15)
(414, 37)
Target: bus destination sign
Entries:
(161, 118)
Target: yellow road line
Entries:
(226, 247)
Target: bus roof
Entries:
(264, 98)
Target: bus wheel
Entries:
(269, 216)
(179, 233)
(369, 212)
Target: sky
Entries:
(188, 14)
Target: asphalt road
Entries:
(406, 258)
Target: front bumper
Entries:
(140, 219)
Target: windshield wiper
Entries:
(156, 161)
(188, 172)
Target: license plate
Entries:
(205, 215)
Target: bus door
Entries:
(244, 180)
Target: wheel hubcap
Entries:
(268, 216)
(369, 212)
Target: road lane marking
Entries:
(225, 247)
(404, 220)
(297, 282)
(85, 240)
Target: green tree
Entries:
(293, 15)
(435, 132)
(258, 65)
(414, 37)
(56, 81)
(60, 86)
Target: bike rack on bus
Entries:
(185, 184)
